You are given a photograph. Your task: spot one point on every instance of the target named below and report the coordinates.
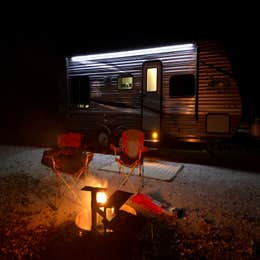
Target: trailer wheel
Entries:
(103, 140)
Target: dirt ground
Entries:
(216, 196)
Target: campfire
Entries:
(84, 218)
(100, 210)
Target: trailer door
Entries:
(151, 105)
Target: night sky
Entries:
(35, 41)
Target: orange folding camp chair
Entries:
(69, 161)
(129, 156)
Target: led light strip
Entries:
(171, 48)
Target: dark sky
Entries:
(36, 39)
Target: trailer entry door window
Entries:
(79, 92)
(182, 85)
(151, 75)
(125, 82)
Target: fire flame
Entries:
(101, 197)
(83, 219)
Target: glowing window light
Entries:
(156, 50)
(101, 197)
(125, 82)
(151, 80)
(82, 106)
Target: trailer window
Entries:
(79, 92)
(182, 85)
(125, 82)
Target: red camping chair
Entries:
(129, 156)
(69, 161)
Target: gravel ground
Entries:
(220, 208)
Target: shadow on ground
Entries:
(70, 242)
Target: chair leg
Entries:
(141, 175)
(122, 173)
(71, 189)
(130, 184)
(60, 192)
(126, 179)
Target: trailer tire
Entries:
(103, 140)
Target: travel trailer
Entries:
(176, 92)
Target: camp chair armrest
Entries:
(116, 150)
(89, 156)
(52, 161)
(145, 149)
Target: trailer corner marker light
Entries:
(154, 135)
